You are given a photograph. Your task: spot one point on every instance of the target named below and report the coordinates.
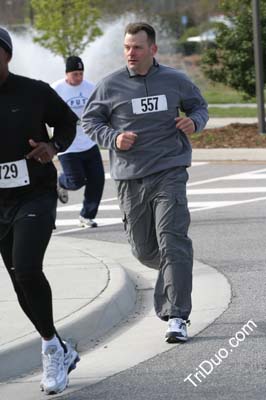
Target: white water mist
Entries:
(101, 57)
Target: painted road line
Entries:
(199, 163)
(245, 175)
(228, 204)
(190, 192)
(229, 190)
(77, 207)
(106, 200)
(100, 221)
(70, 230)
(193, 206)
(248, 176)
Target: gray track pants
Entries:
(156, 220)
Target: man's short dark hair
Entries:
(136, 27)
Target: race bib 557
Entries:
(143, 105)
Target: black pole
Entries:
(258, 65)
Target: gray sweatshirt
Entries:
(148, 106)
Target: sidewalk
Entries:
(91, 295)
(95, 286)
(219, 122)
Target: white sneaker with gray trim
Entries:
(176, 331)
(57, 364)
(87, 222)
(55, 374)
(62, 193)
(71, 357)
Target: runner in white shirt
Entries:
(81, 162)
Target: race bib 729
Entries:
(143, 105)
(14, 174)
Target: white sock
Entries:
(52, 342)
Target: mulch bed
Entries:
(230, 136)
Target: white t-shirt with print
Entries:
(76, 97)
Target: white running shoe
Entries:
(55, 374)
(87, 222)
(62, 193)
(71, 357)
(176, 331)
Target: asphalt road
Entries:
(228, 359)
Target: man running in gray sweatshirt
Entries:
(134, 112)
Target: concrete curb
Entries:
(84, 326)
(237, 154)
(223, 121)
(221, 154)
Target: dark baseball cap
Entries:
(5, 41)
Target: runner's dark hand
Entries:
(42, 152)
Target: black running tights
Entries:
(22, 250)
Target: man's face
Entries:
(4, 60)
(139, 52)
(74, 78)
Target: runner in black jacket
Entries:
(28, 200)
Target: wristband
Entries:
(56, 146)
